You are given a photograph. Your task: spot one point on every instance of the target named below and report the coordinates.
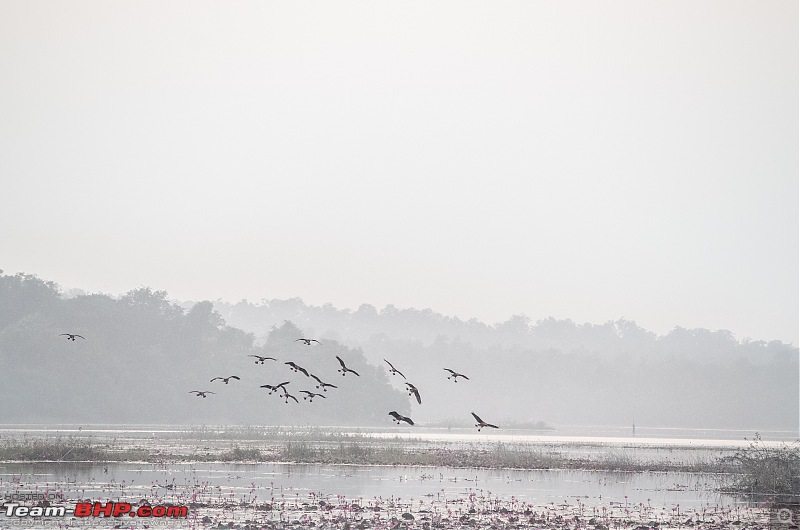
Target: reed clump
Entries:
(66, 450)
(766, 472)
(238, 454)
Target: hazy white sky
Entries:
(584, 160)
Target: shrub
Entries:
(767, 472)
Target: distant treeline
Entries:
(611, 339)
(142, 355)
(562, 372)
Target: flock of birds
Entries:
(322, 385)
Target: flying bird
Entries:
(394, 370)
(412, 391)
(297, 368)
(71, 336)
(398, 418)
(482, 423)
(345, 369)
(308, 342)
(226, 379)
(311, 395)
(455, 375)
(323, 385)
(262, 359)
(274, 388)
(201, 393)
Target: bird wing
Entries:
(390, 364)
(490, 425)
(235, 377)
(303, 370)
(315, 340)
(298, 340)
(395, 415)
(395, 370)
(341, 362)
(216, 379)
(477, 418)
(81, 336)
(283, 385)
(291, 396)
(315, 377)
(464, 376)
(407, 420)
(328, 384)
(449, 370)
(414, 391)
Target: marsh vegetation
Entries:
(766, 472)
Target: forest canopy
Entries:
(144, 353)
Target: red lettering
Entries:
(121, 508)
(159, 511)
(177, 511)
(106, 510)
(144, 511)
(83, 509)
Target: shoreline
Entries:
(366, 450)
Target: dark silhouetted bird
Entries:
(412, 391)
(260, 359)
(71, 336)
(275, 388)
(394, 370)
(455, 375)
(201, 393)
(297, 368)
(308, 342)
(311, 395)
(287, 395)
(398, 418)
(226, 379)
(482, 423)
(345, 369)
(322, 384)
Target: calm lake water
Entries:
(300, 481)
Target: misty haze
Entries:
(521, 373)
(400, 266)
